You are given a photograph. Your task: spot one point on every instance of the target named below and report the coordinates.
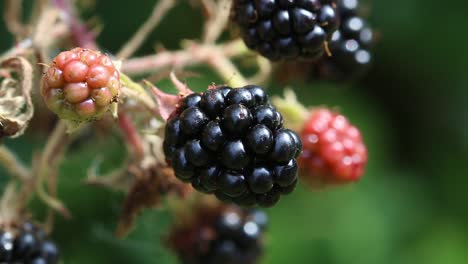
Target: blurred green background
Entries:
(412, 107)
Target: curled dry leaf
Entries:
(147, 180)
(16, 108)
(153, 180)
(146, 192)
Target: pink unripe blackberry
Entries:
(80, 84)
(333, 149)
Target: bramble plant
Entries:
(210, 157)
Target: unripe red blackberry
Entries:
(349, 45)
(27, 244)
(334, 151)
(80, 84)
(223, 234)
(286, 29)
(231, 143)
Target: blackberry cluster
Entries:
(350, 45)
(286, 29)
(232, 143)
(229, 236)
(29, 245)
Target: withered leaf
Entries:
(16, 108)
(147, 190)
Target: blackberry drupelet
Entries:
(286, 29)
(350, 45)
(27, 245)
(231, 142)
(224, 234)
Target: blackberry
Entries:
(223, 234)
(286, 29)
(28, 245)
(80, 84)
(232, 143)
(349, 45)
(334, 151)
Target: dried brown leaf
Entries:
(147, 191)
(16, 108)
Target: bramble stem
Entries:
(13, 165)
(264, 71)
(12, 17)
(159, 11)
(226, 69)
(215, 25)
(48, 159)
(80, 33)
(131, 135)
(215, 55)
(10, 205)
(208, 6)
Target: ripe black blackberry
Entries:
(349, 46)
(286, 29)
(224, 234)
(27, 244)
(232, 143)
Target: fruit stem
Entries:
(264, 71)
(293, 111)
(226, 69)
(137, 92)
(129, 83)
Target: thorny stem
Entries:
(215, 25)
(131, 135)
(193, 54)
(10, 205)
(48, 160)
(46, 31)
(160, 9)
(117, 179)
(12, 15)
(226, 69)
(24, 45)
(264, 71)
(81, 35)
(13, 165)
(209, 7)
